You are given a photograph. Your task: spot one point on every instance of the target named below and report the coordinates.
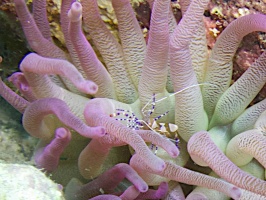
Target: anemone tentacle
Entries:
(242, 148)
(34, 37)
(201, 148)
(248, 118)
(48, 158)
(93, 68)
(183, 175)
(132, 42)
(154, 71)
(20, 82)
(111, 51)
(14, 99)
(40, 17)
(34, 123)
(190, 101)
(236, 98)
(220, 61)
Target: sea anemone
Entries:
(167, 99)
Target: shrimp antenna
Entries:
(153, 101)
(191, 86)
(163, 98)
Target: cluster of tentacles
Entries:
(67, 100)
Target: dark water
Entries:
(13, 45)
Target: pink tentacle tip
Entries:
(62, 133)
(236, 192)
(160, 166)
(97, 132)
(174, 152)
(48, 157)
(75, 13)
(143, 188)
(88, 87)
(162, 190)
(19, 81)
